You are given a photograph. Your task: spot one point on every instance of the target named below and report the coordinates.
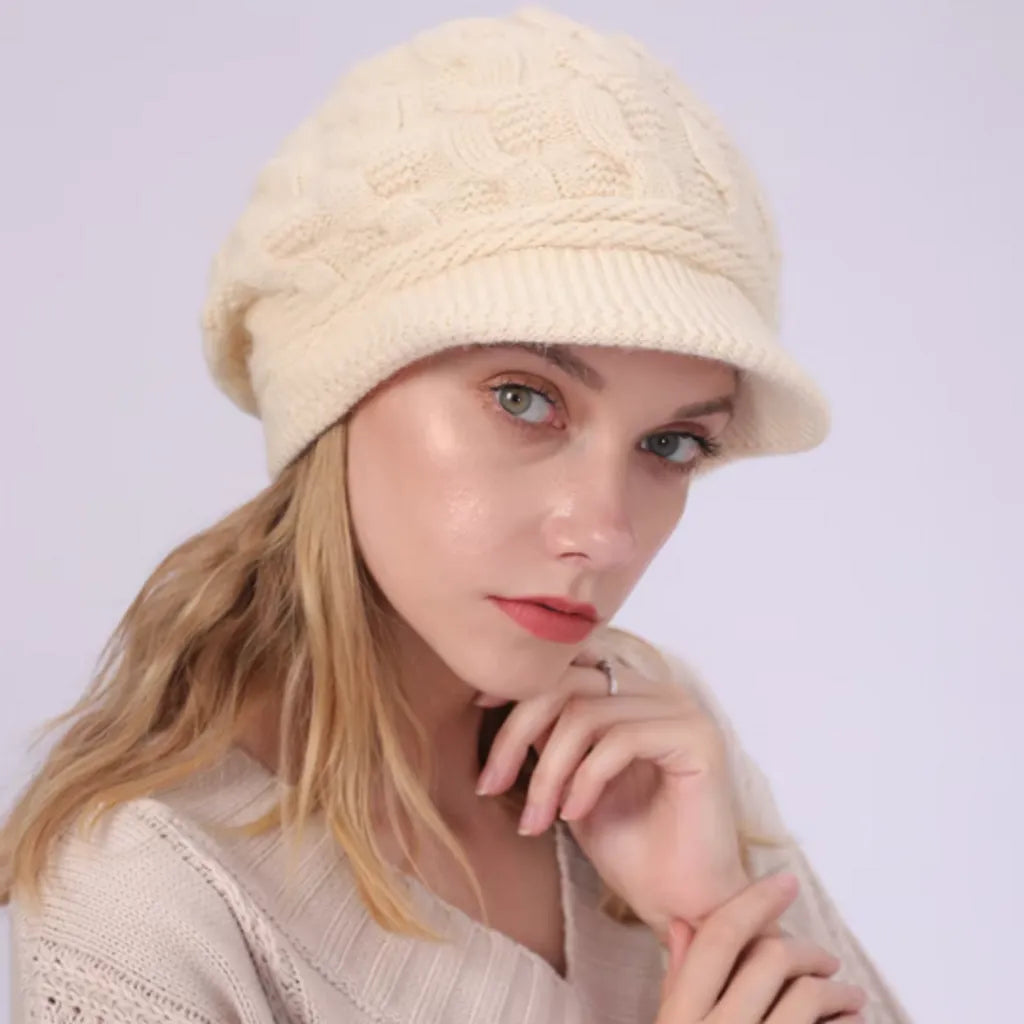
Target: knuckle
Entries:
(832, 963)
(813, 995)
(570, 709)
(623, 735)
(856, 993)
(575, 708)
(811, 953)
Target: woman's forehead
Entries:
(583, 361)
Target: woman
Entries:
(369, 749)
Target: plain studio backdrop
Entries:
(857, 608)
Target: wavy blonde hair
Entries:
(275, 595)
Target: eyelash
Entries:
(708, 447)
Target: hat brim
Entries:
(320, 365)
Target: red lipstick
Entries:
(567, 627)
(563, 604)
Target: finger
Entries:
(631, 681)
(680, 935)
(486, 700)
(623, 743)
(719, 941)
(812, 998)
(581, 724)
(527, 724)
(769, 931)
(530, 721)
(765, 969)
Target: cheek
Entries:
(428, 502)
(435, 519)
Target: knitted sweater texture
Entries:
(158, 919)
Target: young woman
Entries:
(369, 749)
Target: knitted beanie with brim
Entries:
(519, 178)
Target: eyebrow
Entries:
(591, 378)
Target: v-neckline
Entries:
(468, 924)
(473, 926)
(332, 930)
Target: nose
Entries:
(591, 515)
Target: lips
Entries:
(546, 623)
(562, 604)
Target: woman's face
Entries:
(466, 485)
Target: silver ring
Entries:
(613, 684)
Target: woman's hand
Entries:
(729, 972)
(642, 777)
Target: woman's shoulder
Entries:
(182, 838)
(142, 911)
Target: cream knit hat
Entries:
(522, 178)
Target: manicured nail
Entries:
(569, 809)
(487, 782)
(530, 820)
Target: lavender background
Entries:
(858, 608)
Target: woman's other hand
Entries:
(737, 967)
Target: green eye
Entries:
(517, 398)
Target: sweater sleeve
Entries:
(128, 930)
(63, 984)
(813, 915)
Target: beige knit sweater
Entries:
(158, 919)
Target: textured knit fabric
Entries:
(157, 918)
(523, 178)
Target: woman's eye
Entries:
(516, 399)
(666, 445)
(520, 400)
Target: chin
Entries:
(516, 671)
(494, 656)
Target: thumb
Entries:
(680, 936)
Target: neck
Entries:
(442, 704)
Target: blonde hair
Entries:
(274, 597)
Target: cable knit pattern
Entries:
(518, 178)
(160, 918)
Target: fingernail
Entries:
(530, 820)
(487, 782)
(569, 809)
